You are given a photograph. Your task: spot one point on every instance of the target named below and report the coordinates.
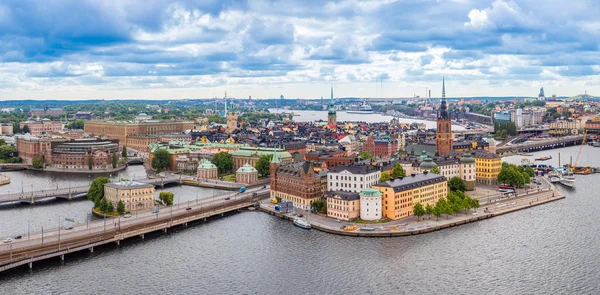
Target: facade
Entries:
(207, 170)
(250, 155)
(343, 205)
(246, 174)
(370, 204)
(30, 147)
(443, 141)
(75, 154)
(232, 117)
(122, 130)
(46, 112)
(401, 194)
(488, 167)
(296, 182)
(352, 178)
(381, 146)
(468, 171)
(6, 129)
(42, 127)
(134, 195)
(186, 164)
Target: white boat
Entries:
(554, 178)
(302, 223)
(363, 109)
(567, 178)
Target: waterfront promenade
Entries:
(59, 242)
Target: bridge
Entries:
(13, 166)
(75, 192)
(58, 243)
(530, 146)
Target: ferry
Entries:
(302, 223)
(543, 158)
(567, 178)
(363, 109)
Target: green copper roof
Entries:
(370, 192)
(427, 163)
(246, 169)
(206, 164)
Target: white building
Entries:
(370, 204)
(352, 178)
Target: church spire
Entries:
(443, 114)
(331, 100)
(443, 88)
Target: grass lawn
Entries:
(230, 177)
(383, 220)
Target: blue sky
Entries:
(72, 49)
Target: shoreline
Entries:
(4, 180)
(500, 208)
(80, 171)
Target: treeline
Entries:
(504, 129)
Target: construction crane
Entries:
(574, 167)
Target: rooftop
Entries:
(412, 181)
(128, 184)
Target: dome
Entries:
(206, 164)
(370, 192)
(467, 158)
(427, 164)
(246, 169)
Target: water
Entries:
(548, 249)
(306, 116)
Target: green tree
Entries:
(37, 162)
(124, 152)
(6, 151)
(398, 171)
(418, 210)
(319, 206)
(25, 129)
(223, 161)
(121, 207)
(96, 191)
(90, 161)
(216, 119)
(457, 184)
(467, 204)
(114, 160)
(110, 207)
(475, 204)
(435, 169)
(385, 176)
(437, 212)
(429, 209)
(365, 155)
(161, 160)
(16, 128)
(103, 205)
(166, 198)
(263, 164)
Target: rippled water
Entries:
(549, 249)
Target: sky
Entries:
(80, 49)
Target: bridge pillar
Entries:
(30, 265)
(185, 224)
(165, 230)
(204, 219)
(221, 214)
(62, 257)
(92, 249)
(142, 235)
(118, 242)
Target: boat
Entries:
(567, 178)
(554, 178)
(543, 158)
(365, 228)
(302, 223)
(363, 109)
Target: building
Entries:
(134, 195)
(83, 115)
(123, 130)
(399, 195)
(46, 112)
(232, 117)
(207, 170)
(487, 166)
(381, 146)
(250, 155)
(332, 113)
(143, 117)
(443, 142)
(75, 154)
(246, 174)
(296, 182)
(352, 178)
(343, 205)
(42, 127)
(30, 147)
(468, 171)
(184, 163)
(370, 204)
(6, 129)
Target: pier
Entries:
(531, 146)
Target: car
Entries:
(337, 220)
(155, 211)
(7, 240)
(188, 208)
(68, 227)
(228, 198)
(18, 237)
(127, 215)
(300, 215)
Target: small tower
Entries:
(273, 166)
(332, 114)
(232, 117)
(443, 141)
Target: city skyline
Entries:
(186, 49)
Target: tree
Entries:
(474, 204)
(223, 161)
(96, 191)
(435, 169)
(429, 209)
(121, 207)
(319, 206)
(457, 184)
(90, 161)
(398, 171)
(37, 162)
(114, 160)
(365, 155)
(166, 198)
(467, 204)
(161, 160)
(418, 210)
(110, 207)
(511, 175)
(124, 152)
(16, 128)
(6, 151)
(25, 129)
(437, 212)
(385, 176)
(103, 205)
(263, 164)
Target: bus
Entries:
(507, 187)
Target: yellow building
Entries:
(139, 131)
(343, 205)
(134, 195)
(487, 166)
(400, 195)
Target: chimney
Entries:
(413, 175)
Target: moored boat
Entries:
(302, 223)
(543, 158)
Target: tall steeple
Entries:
(443, 88)
(332, 114)
(444, 126)
(443, 114)
(331, 95)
